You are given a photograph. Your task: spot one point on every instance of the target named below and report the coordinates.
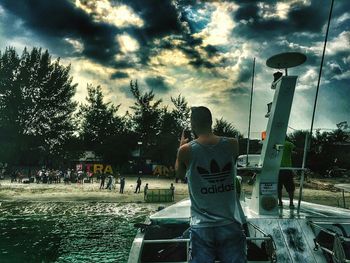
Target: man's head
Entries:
(201, 120)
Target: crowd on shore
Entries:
(70, 176)
(51, 176)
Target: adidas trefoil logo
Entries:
(216, 178)
(215, 175)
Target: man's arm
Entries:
(182, 161)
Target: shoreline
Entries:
(88, 192)
(320, 191)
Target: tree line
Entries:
(42, 125)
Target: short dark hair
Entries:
(201, 118)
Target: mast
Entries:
(250, 111)
(307, 138)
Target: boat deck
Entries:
(286, 237)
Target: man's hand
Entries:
(183, 140)
(182, 159)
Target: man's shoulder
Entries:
(233, 144)
(184, 153)
(184, 149)
(231, 139)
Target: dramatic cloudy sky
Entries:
(203, 50)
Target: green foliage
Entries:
(36, 106)
(146, 118)
(98, 120)
(172, 124)
(39, 124)
(325, 147)
(224, 128)
(181, 113)
(102, 130)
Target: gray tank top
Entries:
(211, 185)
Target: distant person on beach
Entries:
(122, 185)
(103, 178)
(110, 182)
(285, 176)
(145, 189)
(138, 185)
(13, 176)
(67, 176)
(172, 188)
(216, 214)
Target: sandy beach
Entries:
(320, 191)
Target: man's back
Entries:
(208, 163)
(211, 184)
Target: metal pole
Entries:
(303, 171)
(320, 72)
(309, 139)
(250, 111)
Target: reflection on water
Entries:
(68, 232)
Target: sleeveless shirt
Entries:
(212, 186)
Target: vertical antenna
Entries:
(307, 138)
(250, 110)
(320, 72)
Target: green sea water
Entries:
(69, 231)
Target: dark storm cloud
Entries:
(162, 19)
(335, 69)
(56, 20)
(337, 109)
(247, 11)
(238, 91)
(300, 18)
(119, 75)
(245, 71)
(187, 46)
(157, 84)
(211, 50)
(122, 64)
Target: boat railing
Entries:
(334, 244)
(187, 241)
(259, 168)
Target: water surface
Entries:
(69, 231)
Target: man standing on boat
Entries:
(285, 176)
(216, 222)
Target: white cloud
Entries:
(127, 43)
(346, 60)
(77, 45)
(118, 15)
(341, 43)
(342, 18)
(219, 29)
(344, 75)
(307, 80)
(280, 9)
(170, 57)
